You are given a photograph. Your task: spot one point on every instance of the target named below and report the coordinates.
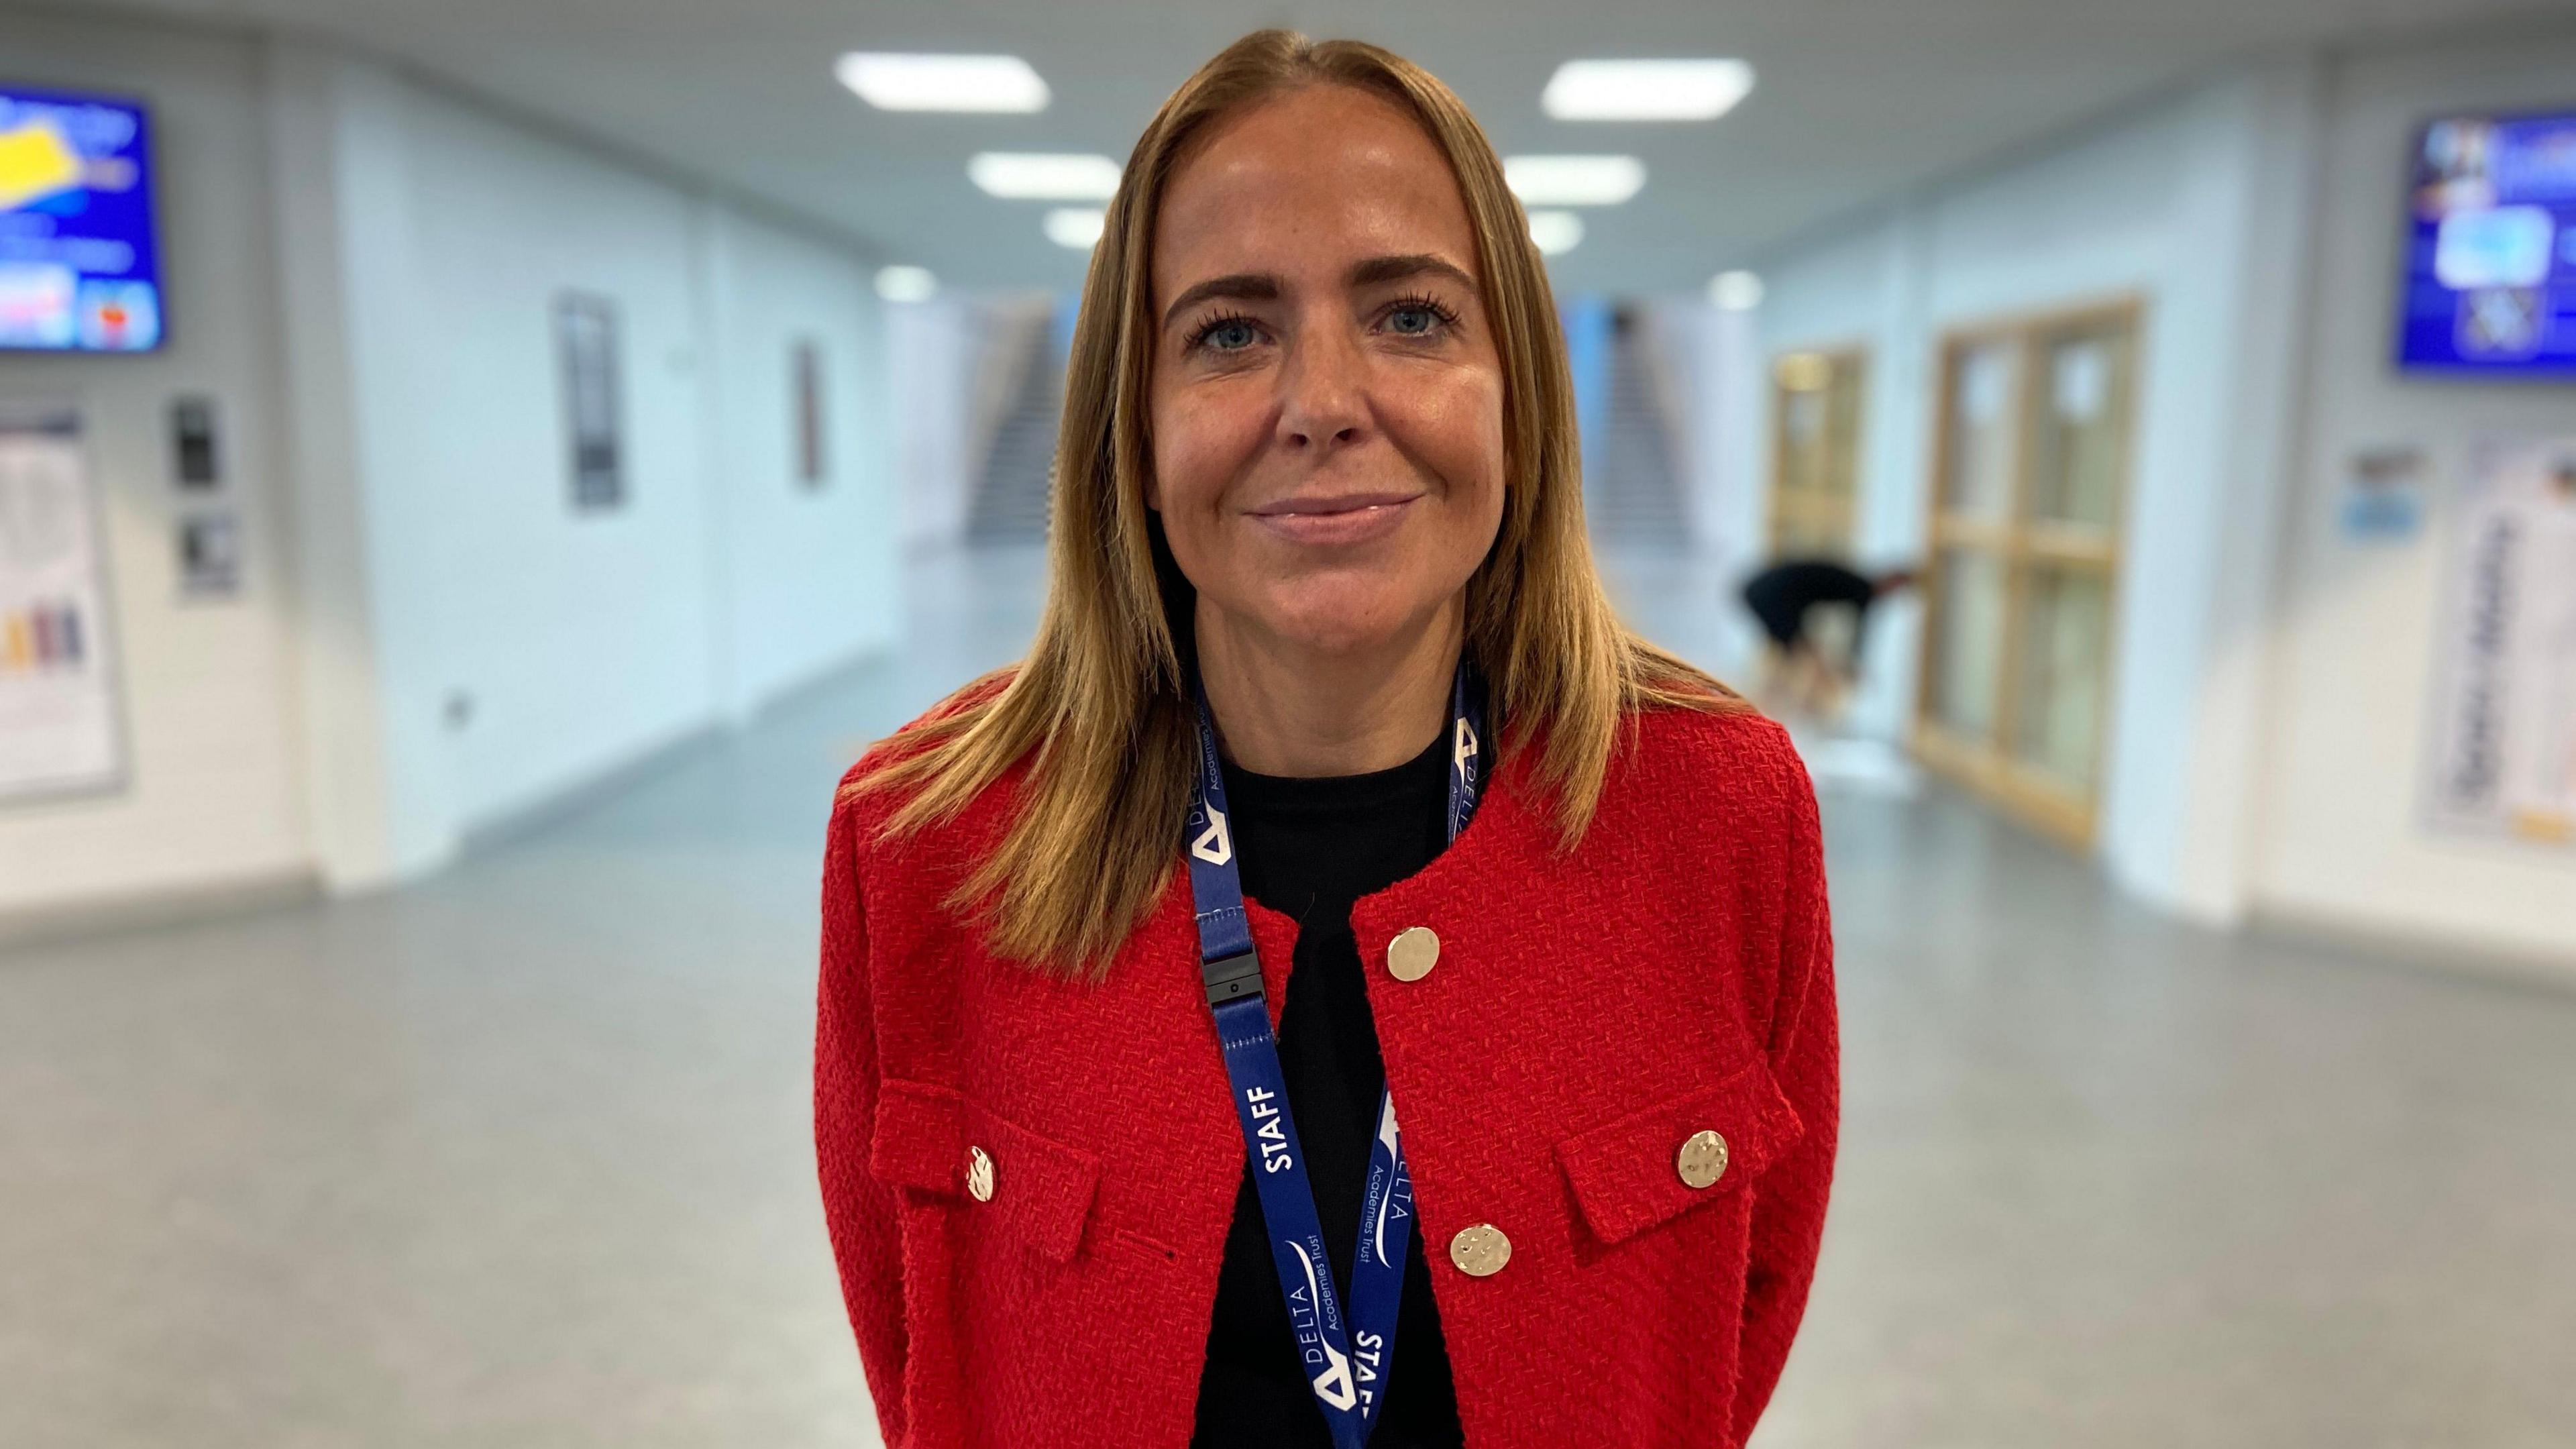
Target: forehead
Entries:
(1303, 185)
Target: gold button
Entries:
(1480, 1251)
(1412, 954)
(1702, 1159)
(979, 1174)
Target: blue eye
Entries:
(1412, 321)
(1228, 334)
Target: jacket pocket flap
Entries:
(1628, 1176)
(1041, 1190)
(920, 1138)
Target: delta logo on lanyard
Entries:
(1347, 1358)
(1213, 845)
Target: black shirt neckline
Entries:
(1425, 773)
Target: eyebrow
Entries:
(1245, 286)
(1262, 287)
(1395, 269)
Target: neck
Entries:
(1284, 708)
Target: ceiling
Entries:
(1857, 99)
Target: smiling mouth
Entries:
(1336, 505)
(1334, 521)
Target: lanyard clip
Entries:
(1231, 978)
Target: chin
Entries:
(1343, 615)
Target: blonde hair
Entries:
(1101, 708)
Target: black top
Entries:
(1309, 848)
(1781, 595)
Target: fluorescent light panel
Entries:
(1044, 176)
(1646, 90)
(1574, 180)
(1077, 227)
(979, 83)
(1556, 231)
(906, 284)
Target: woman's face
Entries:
(1327, 399)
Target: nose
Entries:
(1323, 403)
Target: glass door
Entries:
(2030, 471)
(1815, 457)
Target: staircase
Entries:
(1635, 498)
(1010, 502)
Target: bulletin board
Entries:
(2504, 732)
(59, 712)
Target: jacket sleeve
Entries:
(858, 1209)
(1789, 1214)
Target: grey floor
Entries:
(518, 1157)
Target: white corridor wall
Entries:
(527, 645)
(805, 573)
(429, 640)
(521, 647)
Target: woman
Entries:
(1321, 625)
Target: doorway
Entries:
(1816, 401)
(2030, 468)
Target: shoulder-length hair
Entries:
(1101, 710)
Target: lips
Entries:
(1334, 519)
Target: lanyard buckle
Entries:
(1231, 978)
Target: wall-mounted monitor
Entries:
(2491, 248)
(80, 265)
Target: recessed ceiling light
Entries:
(1078, 227)
(1574, 180)
(1042, 176)
(1556, 231)
(906, 284)
(1736, 291)
(1646, 90)
(889, 82)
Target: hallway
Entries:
(519, 1156)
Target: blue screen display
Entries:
(80, 270)
(2491, 248)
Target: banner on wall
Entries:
(2505, 738)
(58, 702)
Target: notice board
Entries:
(59, 713)
(2504, 730)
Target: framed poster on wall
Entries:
(586, 352)
(813, 450)
(59, 729)
(2504, 734)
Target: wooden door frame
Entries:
(1987, 767)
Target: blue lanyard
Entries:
(1347, 1360)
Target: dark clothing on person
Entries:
(1310, 848)
(1781, 596)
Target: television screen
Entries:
(2491, 248)
(79, 267)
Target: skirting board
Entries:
(150, 910)
(2422, 950)
(557, 806)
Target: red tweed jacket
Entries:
(1589, 1013)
